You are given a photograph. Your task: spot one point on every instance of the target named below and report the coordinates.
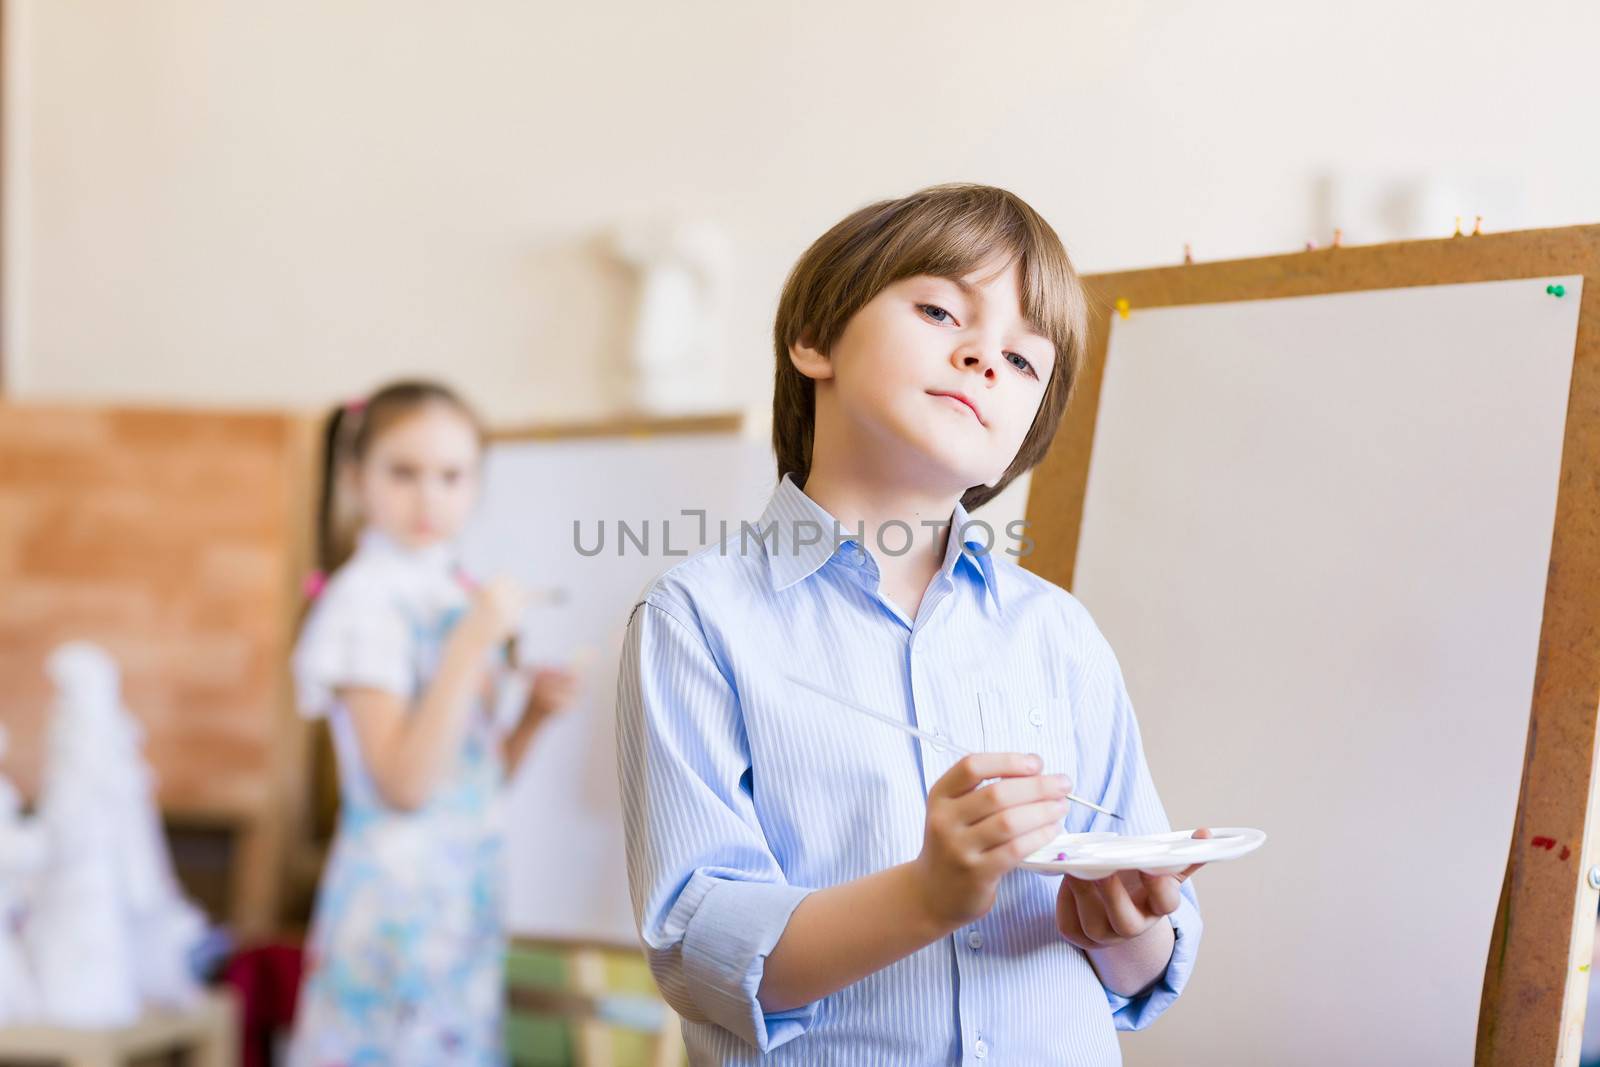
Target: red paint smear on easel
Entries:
(1565, 851)
(1546, 843)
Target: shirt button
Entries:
(1036, 717)
(980, 1049)
(975, 939)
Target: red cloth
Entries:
(266, 978)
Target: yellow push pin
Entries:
(1122, 306)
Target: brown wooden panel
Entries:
(623, 426)
(1533, 994)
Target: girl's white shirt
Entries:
(379, 623)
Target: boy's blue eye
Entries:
(1021, 363)
(936, 313)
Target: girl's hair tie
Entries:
(356, 406)
(315, 582)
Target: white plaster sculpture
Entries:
(110, 933)
(683, 270)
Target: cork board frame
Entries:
(1536, 977)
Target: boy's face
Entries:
(939, 377)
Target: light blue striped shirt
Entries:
(742, 793)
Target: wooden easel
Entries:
(1536, 979)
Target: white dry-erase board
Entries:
(568, 878)
(1318, 533)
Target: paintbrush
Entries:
(933, 739)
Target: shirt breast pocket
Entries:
(1022, 720)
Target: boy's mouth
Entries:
(962, 399)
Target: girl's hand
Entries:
(1119, 907)
(974, 836)
(554, 689)
(496, 609)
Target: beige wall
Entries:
(282, 204)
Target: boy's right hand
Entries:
(496, 609)
(975, 836)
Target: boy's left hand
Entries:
(1119, 907)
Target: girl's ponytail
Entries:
(336, 519)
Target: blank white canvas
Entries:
(1316, 532)
(567, 873)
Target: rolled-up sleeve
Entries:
(1127, 788)
(709, 898)
(1139, 1012)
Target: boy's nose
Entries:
(974, 358)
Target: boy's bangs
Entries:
(954, 243)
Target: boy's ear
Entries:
(809, 361)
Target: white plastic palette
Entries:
(1099, 854)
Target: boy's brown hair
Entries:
(947, 231)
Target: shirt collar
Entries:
(799, 536)
(973, 547)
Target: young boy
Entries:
(813, 886)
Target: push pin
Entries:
(1311, 246)
(1477, 225)
(1553, 290)
(1338, 239)
(1122, 307)
(1458, 227)
(1188, 254)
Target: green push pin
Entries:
(1556, 290)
